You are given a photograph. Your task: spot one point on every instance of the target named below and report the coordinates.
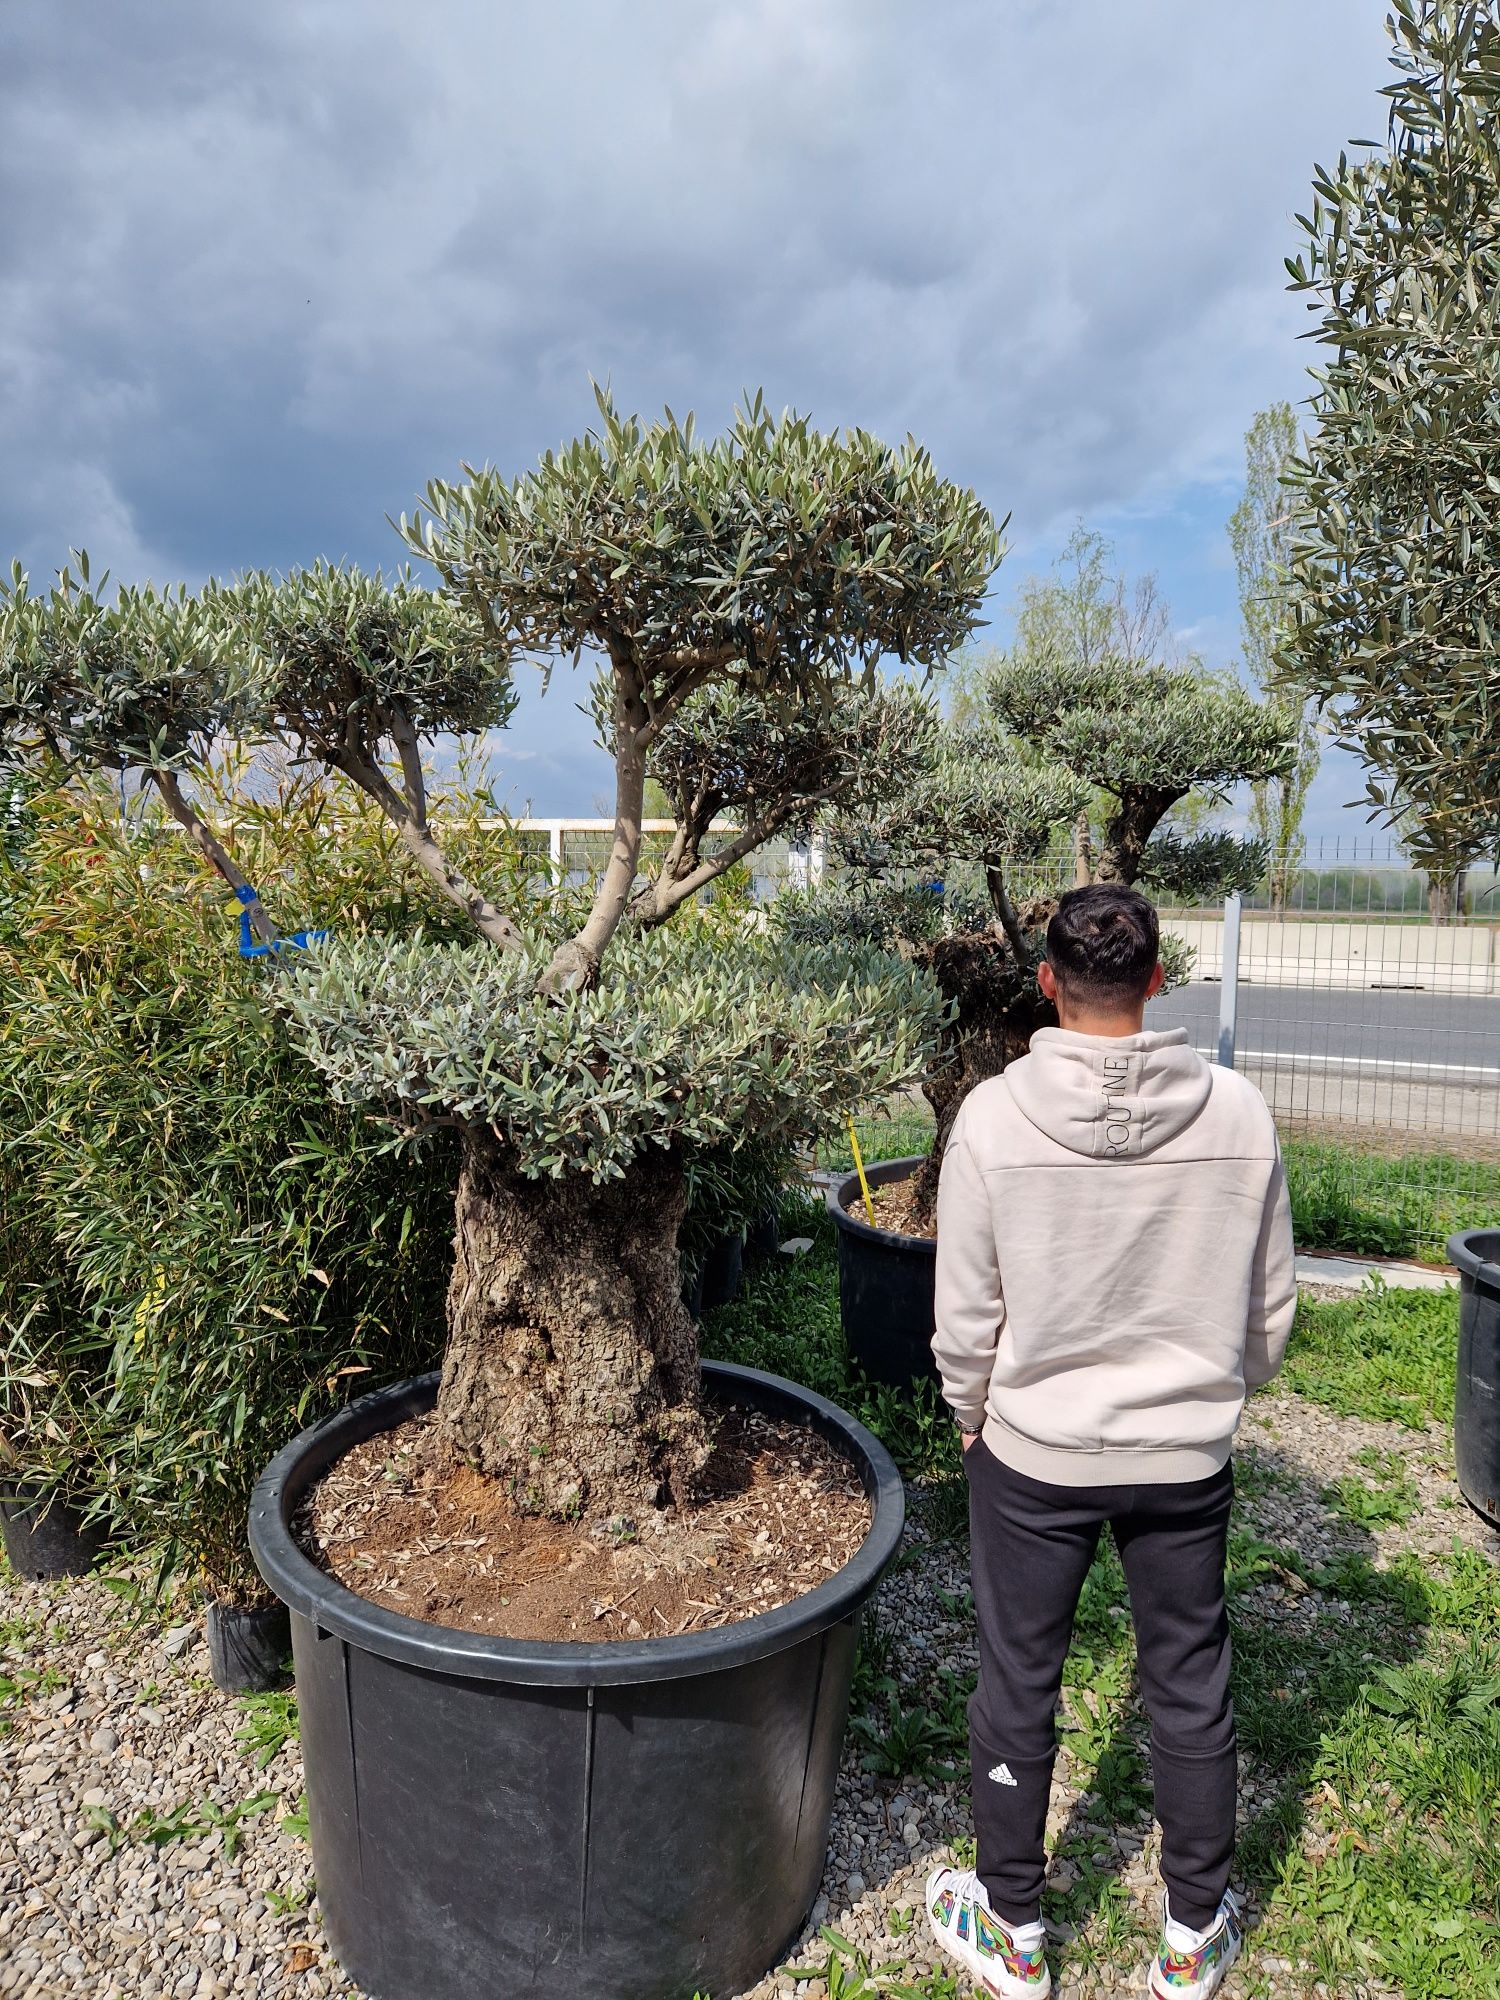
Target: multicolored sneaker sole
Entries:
(1197, 1975)
(967, 1931)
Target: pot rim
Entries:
(1463, 1253)
(335, 1609)
(844, 1218)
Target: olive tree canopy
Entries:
(1396, 559)
(1147, 735)
(146, 681)
(775, 560)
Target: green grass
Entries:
(903, 1128)
(1394, 1205)
(1383, 1354)
(1367, 1691)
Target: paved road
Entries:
(1437, 1037)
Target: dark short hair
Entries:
(1103, 944)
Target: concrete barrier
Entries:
(1350, 957)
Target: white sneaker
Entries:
(1192, 1965)
(1008, 1963)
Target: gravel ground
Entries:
(126, 1728)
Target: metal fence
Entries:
(1374, 1035)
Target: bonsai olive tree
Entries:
(1395, 565)
(145, 683)
(998, 796)
(582, 1061)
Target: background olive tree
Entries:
(1396, 558)
(1058, 733)
(140, 681)
(1082, 612)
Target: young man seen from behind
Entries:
(1114, 1274)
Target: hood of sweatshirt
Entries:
(1108, 1097)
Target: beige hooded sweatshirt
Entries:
(1114, 1259)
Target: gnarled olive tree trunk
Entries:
(998, 1010)
(572, 1365)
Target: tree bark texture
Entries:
(1141, 811)
(1445, 895)
(999, 1009)
(1083, 851)
(571, 1369)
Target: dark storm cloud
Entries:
(266, 270)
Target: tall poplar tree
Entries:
(1260, 533)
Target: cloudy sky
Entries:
(266, 270)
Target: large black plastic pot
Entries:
(763, 1238)
(1476, 1408)
(885, 1283)
(43, 1536)
(630, 1821)
(719, 1276)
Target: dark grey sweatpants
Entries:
(1032, 1545)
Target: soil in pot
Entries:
(895, 1206)
(397, 1521)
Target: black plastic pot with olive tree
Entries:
(885, 1283)
(635, 1821)
(1476, 1408)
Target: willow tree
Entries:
(1396, 560)
(583, 1053)
(997, 797)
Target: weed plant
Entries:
(1384, 1354)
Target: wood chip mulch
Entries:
(894, 1203)
(399, 1523)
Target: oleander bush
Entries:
(202, 1250)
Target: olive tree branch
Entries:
(212, 849)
